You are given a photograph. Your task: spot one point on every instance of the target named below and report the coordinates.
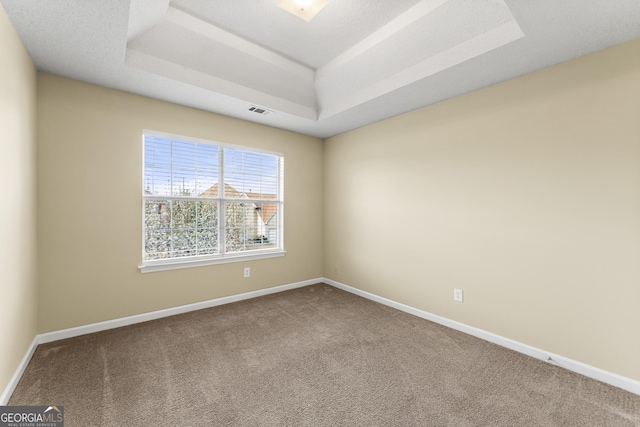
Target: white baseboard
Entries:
(611, 378)
(153, 315)
(138, 318)
(15, 379)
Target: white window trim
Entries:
(150, 266)
(175, 264)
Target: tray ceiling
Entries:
(356, 62)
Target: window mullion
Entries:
(196, 202)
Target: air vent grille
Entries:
(259, 110)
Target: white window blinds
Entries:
(209, 201)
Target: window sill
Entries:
(152, 266)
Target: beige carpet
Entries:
(315, 356)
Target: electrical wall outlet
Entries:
(247, 272)
(457, 295)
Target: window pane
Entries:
(252, 175)
(207, 156)
(206, 183)
(269, 188)
(183, 215)
(157, 181)
(207, 241)
(183, 243)
(207, 229)
(180, 228)
(183, 154)
(207, 214)
(206, 170)
(183, 182)
(157, 151)
(180, 168)
(157, 166)
(157, 229)
(236, 219)
(266, 236)
(235, 238)
(235, 214)
(251, 226)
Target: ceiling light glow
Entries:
(305, 9)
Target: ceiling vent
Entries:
(259, 110)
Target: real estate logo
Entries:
(31, 416)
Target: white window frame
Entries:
(148, 266)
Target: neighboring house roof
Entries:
(229, 192)
(266, 210)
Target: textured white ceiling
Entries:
(356, 62)
(340, 24)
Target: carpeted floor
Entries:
(314, 356)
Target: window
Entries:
(206, 203)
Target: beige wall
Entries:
(18, 314)
(89, 194)
(526, 195)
